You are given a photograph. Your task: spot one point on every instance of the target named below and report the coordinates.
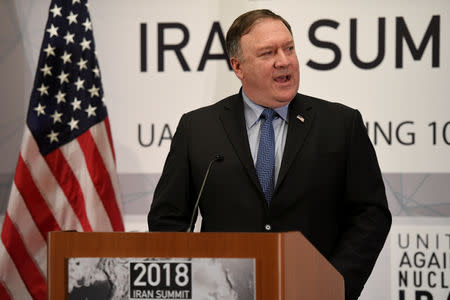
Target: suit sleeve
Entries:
(171, 208)
(367, 220)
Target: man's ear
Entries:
(236, 65)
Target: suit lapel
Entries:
(233, 120)
(297, 133)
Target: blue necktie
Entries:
(265, 161)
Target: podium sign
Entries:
(161, 278)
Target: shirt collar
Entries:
(252, 111)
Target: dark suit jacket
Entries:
(329, 186)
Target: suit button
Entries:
(267, 227)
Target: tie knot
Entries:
(268, 114)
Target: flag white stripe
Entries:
(47, 184)
(34, 242)
(11, 278)
(96, 213)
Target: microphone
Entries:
(219, 158)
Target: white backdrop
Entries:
(407, 108)
(416, 93)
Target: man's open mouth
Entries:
(282, 79)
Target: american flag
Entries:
(65, 176)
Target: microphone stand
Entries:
(218, 157)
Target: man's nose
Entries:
(281, 59)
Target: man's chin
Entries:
(279, 102)
(286, 97)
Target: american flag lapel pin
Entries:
(301, 118)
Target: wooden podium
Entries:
(287, 266)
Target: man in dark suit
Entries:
(287, 161)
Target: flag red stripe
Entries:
(25, 265)
(4, 293)
(108, 130)
(101, 180)
(33, 199)
(69, 184)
